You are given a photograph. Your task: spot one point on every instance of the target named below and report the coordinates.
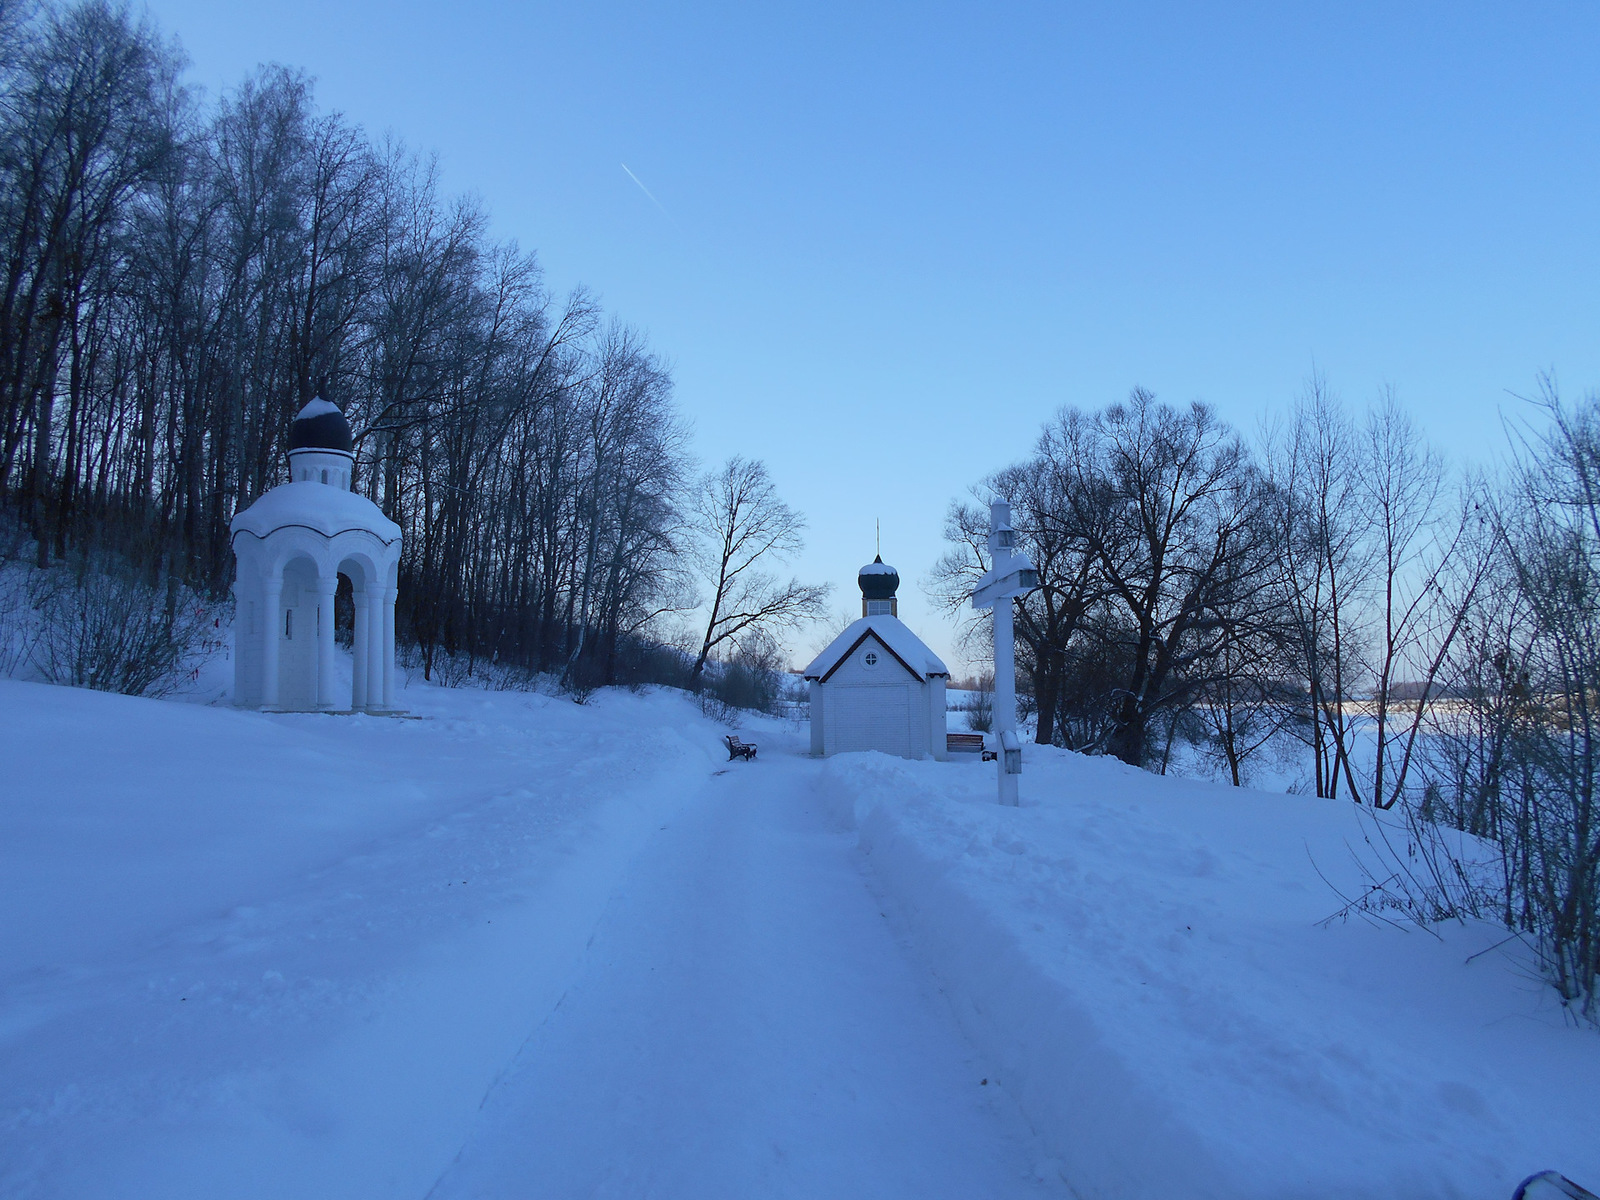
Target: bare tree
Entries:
(83, 134)
(746, 528)
(1431, 563)
(1321, 521)
(1548, 813)
(1514, 756)
(1382, 560)
(1245, 700)
(1156, 577)
(1171, 510)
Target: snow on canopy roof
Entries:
(316, 408)
(317, 506)
(900, 641)
(877, 568)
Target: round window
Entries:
(871, 659)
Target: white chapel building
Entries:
(877, 686)
(291, 546)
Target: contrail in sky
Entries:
(647, 192)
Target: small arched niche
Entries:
(372, 639)
(299, 623)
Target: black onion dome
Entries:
(878, 581)
(321, 426)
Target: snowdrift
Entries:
(1142, 962)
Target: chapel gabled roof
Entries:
(910, 650)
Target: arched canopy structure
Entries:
(291, 546)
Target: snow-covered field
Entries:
(515, 947)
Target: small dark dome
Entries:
(878, 581)
(321, 426)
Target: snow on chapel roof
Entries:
(899, 640)
(316, 408)
(320, 426)
(878, 580)
(316, 506)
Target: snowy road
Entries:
(746, 1025)
(513, 949)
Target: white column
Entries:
(1005, 695)
(325, 592)
(271, 631)
(1005, 667)
(358, 676)
(388, 647)
(1001, 540)
(375, 651)
(241, 650)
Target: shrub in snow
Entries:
(19, 628)
(1506, 821)
(466, 670)
(641, 661)
(751, 679)
(96, 623)
(979, 705)
(637, 662)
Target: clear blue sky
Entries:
(897, 238)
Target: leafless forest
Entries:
(1429, 637)
(181, 274)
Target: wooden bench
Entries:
(738, 749)
(967, 743)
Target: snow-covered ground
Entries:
(517, 947)
(1144, 965)
(512, 948)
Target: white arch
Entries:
(283, 632)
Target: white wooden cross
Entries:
(1012, 575)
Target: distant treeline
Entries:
(1197, 589)
(181, 275)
